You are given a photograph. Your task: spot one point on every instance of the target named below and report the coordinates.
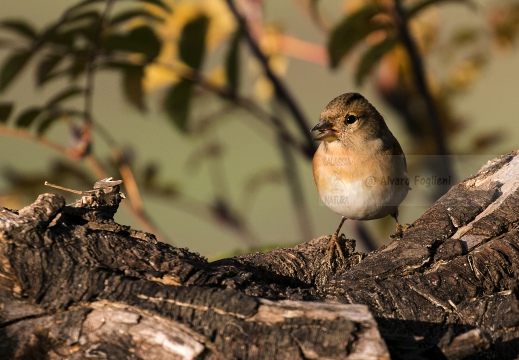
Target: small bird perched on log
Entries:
(359, 168)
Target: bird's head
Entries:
(347, 117)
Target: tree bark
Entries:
(75, 284)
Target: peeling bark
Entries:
(75, 284)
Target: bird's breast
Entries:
(359, 185)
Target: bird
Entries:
(359, 168)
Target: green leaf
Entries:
(44, 71)
(65, 94)
(177, 103)
(58, 34)
(76, 67)
(92, 16)
(49, 117)
(192, 42)
(84, 3)
(371, 56)
(140, 40)
(12, 67)
(62, 38)
(26, 118)
(20, 27)
(132, 14)
(73, 26)
(158, 3)
(5, 110)
(232, 63)
(69, 13)
(350, 31)
(133, 87)
(145, 41)
(83, 25)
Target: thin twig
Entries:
(242, 102)
(285, 140)
(93, 163)
(136, 202)
(124, 168)
(282, 92)
(423, 87)
(134, 194)
(23, 134)
(283, 95)
(205, 212)
(311, 9)
(90, 72)
(59, 187)
(91, 63)
(141, 216)
(267, 118)
(296, 190)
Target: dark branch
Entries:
(423, 88)
(281, 90)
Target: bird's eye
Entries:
(350, 119)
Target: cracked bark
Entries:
(74, 284)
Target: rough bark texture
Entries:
(74, 284)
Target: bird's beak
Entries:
(327, 131)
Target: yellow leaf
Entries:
(263, 89)
(157, 76)
(278, 64)
(217, 77)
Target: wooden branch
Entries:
(75, 284)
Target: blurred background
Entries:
(204, 108)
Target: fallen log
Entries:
(75, 284)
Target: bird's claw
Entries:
(334, 247)
(399, 231)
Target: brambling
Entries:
(359, 168)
